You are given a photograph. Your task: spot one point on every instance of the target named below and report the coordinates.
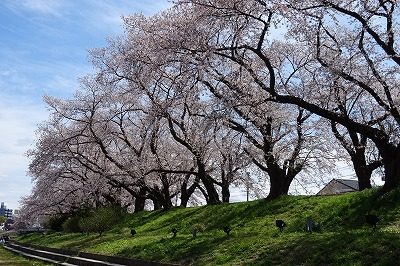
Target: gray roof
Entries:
(348, 182)
(339, 186)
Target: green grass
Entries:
(8, 258)
(344, 240)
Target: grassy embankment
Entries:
(345, 239)
(7, 258)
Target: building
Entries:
(8, 213)
(339, 186)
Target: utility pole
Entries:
(247, 192)
(247, 186)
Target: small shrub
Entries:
(174, 231)
(85, 224)
(227, 229)
(55, 222)
(197, 228)
(101, 220)
(71, 225)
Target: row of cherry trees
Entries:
(188, 101)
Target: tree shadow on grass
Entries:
(53, 239)
(155, 222)
(79, 244)
(73, 242)
(184, 250)
(347, 248)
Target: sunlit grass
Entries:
(344, 239)
(8, 258)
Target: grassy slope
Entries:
(8, 258)
(344, 240)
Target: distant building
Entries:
(339, 186)
(8, 213)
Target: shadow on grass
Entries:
(335, 213)
(182, 250)
(89, 241)
(75, 242)
(344, 238)
(354, 248)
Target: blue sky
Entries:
(43, 51)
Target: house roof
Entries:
(348, 182)
(346, 185)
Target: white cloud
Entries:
(5, 72)
(107, 15)
(46, 7)
(44, 53)
(19, 123)
(19, 119)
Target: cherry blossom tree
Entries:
(185, 100)
(204, 54)
(177, 98)
(354, 42)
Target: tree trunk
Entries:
(157, 197)
(184, 200)
(140, 200)
(277, 187)
(186, 192)
(356, 150)
(156, 204)
(391, 161)
(279, 181)
(139, 204)
(212, 193)
(225, 192)
(167, 203)
(362, 172)
(166, 196)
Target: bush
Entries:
(71, 225)
(55, 222)
(101, 220)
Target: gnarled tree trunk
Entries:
(208, 182)
(225, 192)
(140, 200)
(391, 162)
(186, 192)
